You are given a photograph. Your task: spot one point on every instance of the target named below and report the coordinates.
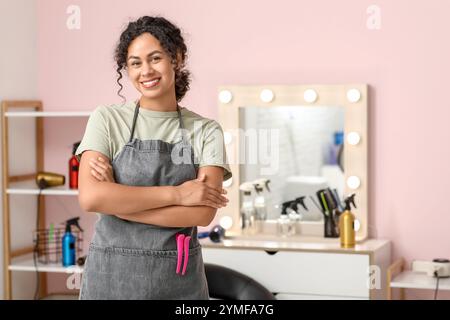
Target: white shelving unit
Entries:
(22, 259)
(418, 280)
(398, 277)
(12, 114)
(29, 187)
(26, 263)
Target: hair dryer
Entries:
(217, 233)
(49, 179)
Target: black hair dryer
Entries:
(217, 233)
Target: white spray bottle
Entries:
(248, 211)
(261, 198)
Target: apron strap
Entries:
(136, 112)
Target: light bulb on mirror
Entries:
(353, 138)
(357, 225)
(266, 95)
(310, 95)
(225, 96)
(353, 95)
(226, 222)
(353, 182)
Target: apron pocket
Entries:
(124, 273)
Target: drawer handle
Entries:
(270, 252)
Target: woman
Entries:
(140, 171)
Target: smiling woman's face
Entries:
(149, 68)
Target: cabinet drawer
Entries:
(329, 274)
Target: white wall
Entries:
(18, 78)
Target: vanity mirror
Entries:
(303, 139)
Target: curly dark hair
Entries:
(170, 39)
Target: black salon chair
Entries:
(228, 284)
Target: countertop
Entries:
(295, 243)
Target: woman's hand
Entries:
(197, 193)
(101, 169)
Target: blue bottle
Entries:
(336, 148)
(69, 243)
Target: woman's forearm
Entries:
(114, 198)
(194, 202)
(174, 216)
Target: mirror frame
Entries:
(233, 97)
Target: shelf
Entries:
(30, 187)
(31, 110)
(26, 263)
(12, 114)
(418, 280)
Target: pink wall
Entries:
(292, 42)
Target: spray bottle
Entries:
(73, 168)
(248, 211)
(285, 224)
(68, 243)
(300, 201)
(347, 224)
(294, 212)
(260, 202)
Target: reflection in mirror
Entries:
(299, 148)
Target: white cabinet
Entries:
(297, 274)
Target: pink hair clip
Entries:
(182, 244)
(186, 253)
(180, 240)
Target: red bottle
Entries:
(73, 168)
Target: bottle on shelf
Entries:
(248, 211)
(74, 166)
(335, 148)
(285, 224)
(294, 212)
(260, 202)
(69, 243)
(347, 223)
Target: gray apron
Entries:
(131, 260)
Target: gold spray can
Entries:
(347, 224)
(347, 229)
